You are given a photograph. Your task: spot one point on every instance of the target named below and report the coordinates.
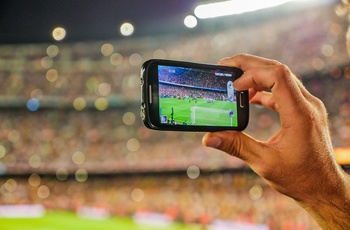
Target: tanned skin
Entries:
(298, 160)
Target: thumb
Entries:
(237, 144)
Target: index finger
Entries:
(265, 74)
(247, 61)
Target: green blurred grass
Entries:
(182, 111)
(70, 221)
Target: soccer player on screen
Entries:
(230, 91)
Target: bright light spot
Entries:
(218, 9)
(81, 175)
(101, 104)
(193, 172)
(59, 33)
(190, 21)
(79, 103)
(107, 49)
(126, 29)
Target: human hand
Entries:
(297, 160)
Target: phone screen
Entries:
(197, 97)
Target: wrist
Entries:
(330, 206)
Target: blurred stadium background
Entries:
(73, 150)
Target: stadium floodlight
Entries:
(218, 9)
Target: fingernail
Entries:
(213, 142)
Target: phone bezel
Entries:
(150, 97)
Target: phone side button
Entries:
(150, 94)
(241, 100)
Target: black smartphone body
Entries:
(185, 96)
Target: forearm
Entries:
(331, 212)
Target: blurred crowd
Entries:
(194, 77)
(90, 123)
(203, 199)
(169, 91)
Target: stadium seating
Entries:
(71, 134)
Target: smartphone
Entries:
(185, 96)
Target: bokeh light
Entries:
(193, 172)
(216, 177)
(34, 180)
(317, 63)
(2, 151)
(190, 21)
(36, 93)
(43, 192)
(52, 75)
(137, 195)
(256, 192)
(62, 174)
(135, 60)
(104, 89)
(116, 59)
(159, 54)
(79, 103)
(126, 29)
(46, 62)
(129, 118)
(78, 157)
(10, 185)
(107, 49)
(13, 136)
(35, 161)
(33, 104)
(101, 104)
(327, 50)
(81, 175)
(52, 51)
(133, 144)
(59, 33)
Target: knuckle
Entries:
(242, 56)
(274, 62)
(282, 69)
